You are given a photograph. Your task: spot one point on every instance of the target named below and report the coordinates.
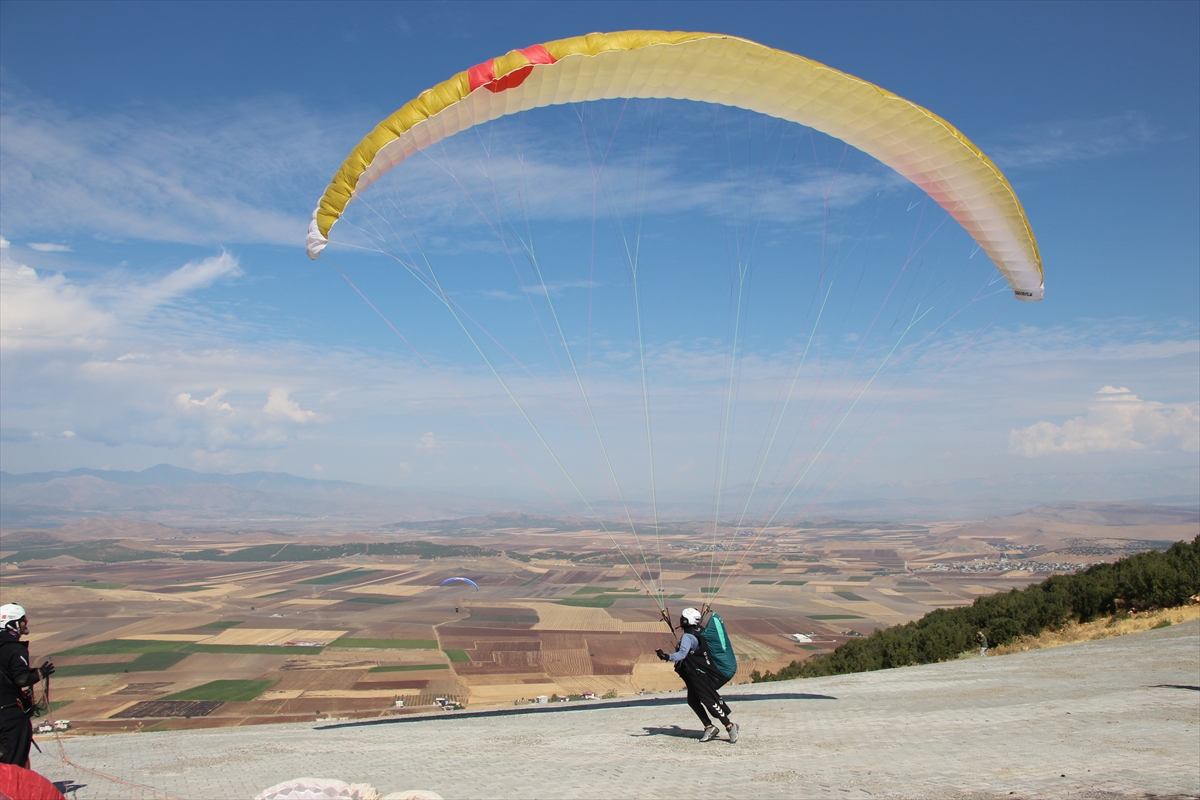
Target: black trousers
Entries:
(16, 736)
(703, 698)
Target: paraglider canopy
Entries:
(711, 68)
(464, 580)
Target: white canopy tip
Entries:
(315, 241)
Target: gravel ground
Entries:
(1107, 719)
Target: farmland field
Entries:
(212, 639)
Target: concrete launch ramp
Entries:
(1105, 719)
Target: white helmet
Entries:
(10, 614)
(691, 616)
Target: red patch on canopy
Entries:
(485, 74)
(25, 784)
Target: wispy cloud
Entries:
(1117, 421)
(243, 173)
(190, 277)
(1071, 140)
(45, 247)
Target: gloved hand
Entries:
(661, 655)
(47, 669)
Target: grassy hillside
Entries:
(1138, 583)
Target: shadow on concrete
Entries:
(1175, 686)
(674, 730)
(579, 705)
(68, 786)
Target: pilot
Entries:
(17, 679)
(694, 663)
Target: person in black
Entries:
(694, 663)
(16, 678)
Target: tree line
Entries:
(1142, 582)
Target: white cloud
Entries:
(1117, 421)
(213, 402)
(50, 311)
(278, 405)
(39, 312)
(427, 441)
(45, 247)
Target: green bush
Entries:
(1145, 581)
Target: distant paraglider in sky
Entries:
(463, 580)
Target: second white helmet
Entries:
(691, 616)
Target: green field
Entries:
(411, 667)
(832, 616)
(114, 646)
(531, 580)
(709, 589)
(792, 583)
(457, 656)
(105, 550)
(598, 601)
(251, 649)
(223, 691)
(386, 644)
(146, 662)
(379, 601)
(809, 647)
(340, 577)
(765, 566)
(274, 594)
(860, 578)
(225, 623)
(762, 583)
(851, 596)
(97, 585)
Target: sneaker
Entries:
(709, 734)
(733, 733)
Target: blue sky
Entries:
(160, 162)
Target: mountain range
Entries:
(177, 496)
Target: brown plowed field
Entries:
(517, 660)
(318, 679)
(256, 708)
(142, 688)
(562, 641)
(566, 662)
(392, 685)
(116, 658)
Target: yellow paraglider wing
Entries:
(709, 68)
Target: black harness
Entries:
(12, 695)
